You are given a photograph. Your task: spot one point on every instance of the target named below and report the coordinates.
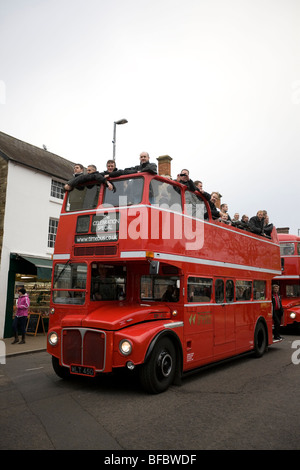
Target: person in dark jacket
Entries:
(92, 175)
(110, 167)
(111, 170)
(184, 178)
(78, 169)
(243, 223)
(224, 209)
(277, 310)
(199, 186)
(212, 202)
(257, 225)
(267, 226)
(144, 166)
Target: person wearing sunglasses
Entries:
(184, 178)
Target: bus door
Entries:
(198, 320)
(224, 318)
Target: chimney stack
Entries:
(164, 166)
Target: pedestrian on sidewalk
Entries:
(20, 319)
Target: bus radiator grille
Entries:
(83, 347)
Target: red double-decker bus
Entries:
(289, 280)
(145, 279)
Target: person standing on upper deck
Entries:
(213, 201)
(184, 178)
(78, 170)
(92, 175)
(111, 170)
(257, 224)
(224, 209)
(145, 164)
(199, 187)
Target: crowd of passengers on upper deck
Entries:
(258, 224)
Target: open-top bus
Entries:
(145, 279)
(289, 280)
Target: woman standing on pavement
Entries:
(20, 319)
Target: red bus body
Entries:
(219, 277)
(289, 280)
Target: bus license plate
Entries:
(82, 370)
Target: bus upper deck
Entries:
(154, 214)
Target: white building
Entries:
(31, 194)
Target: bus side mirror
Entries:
(282, 264)
(154, 267)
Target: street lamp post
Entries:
(121, 121)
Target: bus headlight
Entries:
(125, 347)
(53, 338)
(292, 315)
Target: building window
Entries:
(57, 189)
(53, 223)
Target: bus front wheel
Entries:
(62, 372)
(260, 340)
(158, 373)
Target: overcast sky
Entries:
(215, 84)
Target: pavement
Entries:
(32, 344)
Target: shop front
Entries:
(34, 274)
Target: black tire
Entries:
(158, 373)
(260, 340)
(62, 372)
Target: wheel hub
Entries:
(165, 363)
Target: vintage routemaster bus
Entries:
(289, 280)
(145, 279)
